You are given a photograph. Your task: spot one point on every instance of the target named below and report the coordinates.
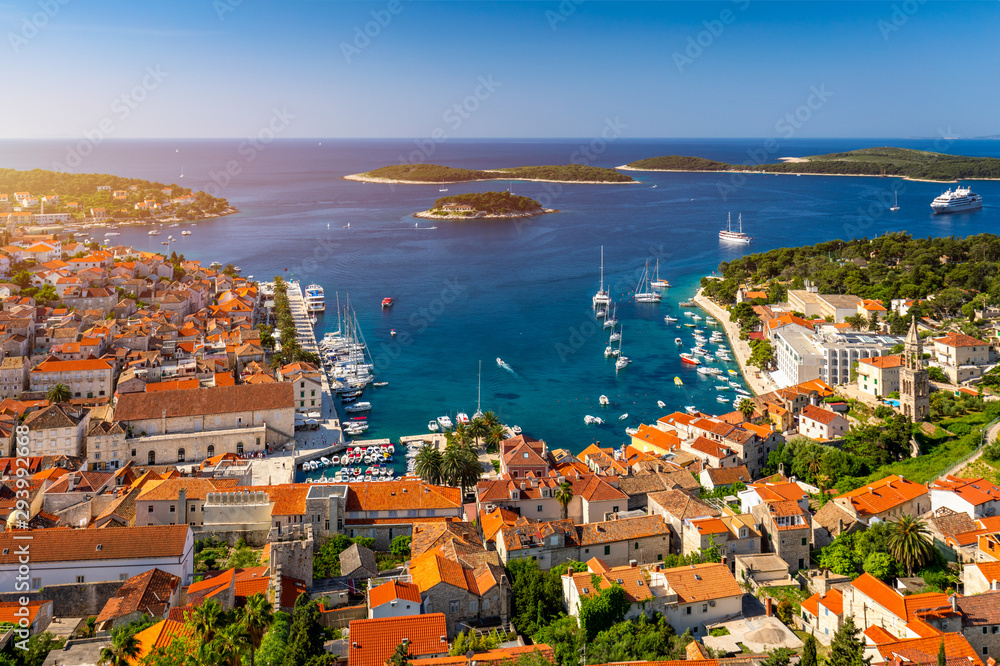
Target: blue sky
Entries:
(743, 68)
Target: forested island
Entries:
(84, 195)
(479, 205)
(883, 161)
(425, 174)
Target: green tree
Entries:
(746, 408)
(880, 565)
(255, 617)
(400, 656)
(607, 607)
(231, 643)
(942, 657)
(122, 651)
(207, 619)
(779, 657)
(846, 649)
(429, 464)
(564, 495)
(59, 393)
(273, 646)
(306, 635)
(910, 543)
(808, 657)
(400, 546)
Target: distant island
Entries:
(96, 197)
(435, 174)
(883, 161)
(483, 205)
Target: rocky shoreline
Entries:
(431, 215)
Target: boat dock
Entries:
(307, 339)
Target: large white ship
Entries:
(728, 234)
(315, 299)
(962, 198)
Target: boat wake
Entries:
(505, 366)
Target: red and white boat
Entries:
(688, 358)
(387, 302)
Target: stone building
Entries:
(914, 386)
(786, 531)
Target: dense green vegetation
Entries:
(961, 273)
(214, 555)
(82, 188)
(291, 350)
(435, 173)
(492, 203)
(326, 560)
(864, 162)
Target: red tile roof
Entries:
(374, 641)
(824, 416)
(883, 495)
(65, 545)
(391, 591)
(959, 340)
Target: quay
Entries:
(759, 382)
(307, 339)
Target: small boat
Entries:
(433, 426)
(604, 400)
(392, 332)
(732, 372)
(722, 398)
(325, 461)
(669, 319)
(623, 416)
(313, 320)
(443, 189)
(387, 302)
(661, 404)
(335, 460)
(445, 422)
(185, 233)
(895, 205)
(678, 381)
(359, 407)
(611, 322)
(516, 430)
(500, 362)
(690, 409)
(609, 351)
(462, 417)
(688, 358)
(689, 325)
(590, 420)
(614, 337)
(631, 431)
(380, 384)
(678, 342)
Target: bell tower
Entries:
(914, 389)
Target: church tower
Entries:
(914, 388)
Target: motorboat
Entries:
(359, 407)
(661, 404)
(689, 358)
(722, 398)
(462, 417)
(678, 342)
(669, 319)
(631, 432)
(690, 409)
(604, 400)
(387, 302)
(623, 416)
(445, 422)
(678, 381)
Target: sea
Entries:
(468, 293)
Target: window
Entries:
(636, 547)
(614, 509)
(659, 557)
(239, 448)
(687, 611)
(607, 550)
(986, 650)
(453, 606)
(474, 606)
(133, 453)
(80, 579)
(804, 540)
(151, 458)
(180, 454)
(211, 450)
(539, 509)
(36, 583)
(704, 608)
(149, 509)
(172, 508)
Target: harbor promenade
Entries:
(330, 432)
(758, 381)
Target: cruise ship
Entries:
(728, 234)
(962, 198)
(315, 300)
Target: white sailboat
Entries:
(601, 297)
(659, 283)
(479, 399)
(611, 322)
(895, 205)
(644, 292)
(622, 361)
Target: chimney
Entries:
(569, 572)
(954, 603)
(633, 564)
(725, 560)
(182, 509)
(768, 607)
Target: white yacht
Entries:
(315, 298)
(445, 422)
(604, 400)
(728, 234)
(433, 427)
(601, 297)
(154, 232)
(644, 292)
(957, 200)
(658, 282)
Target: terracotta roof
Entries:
(727, 476)
(925, 650)
(980, 609)
(711, 447)
(681, 505)
(702, 582)
(959, 340)
(890, 361)
(631, 579)
(196, 488)
(431, 535)
(54, 365)
(710, 526)
(814, 413)
(374, 641)
(974, 491)
(498, 656)
(492, 522)
(903, 607)
(884, 494)
(393, 590)
(215, 400)
(149, 592)
(160, 635)
(878, 635)
(400, 495)
(65, 545)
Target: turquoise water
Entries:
(474, 291)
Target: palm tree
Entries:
(460, 434)
(59, 393)
(471, 469)
(910, 542)
(746, 408)
(207, 619)
(427, 464)
(490, 419)
(256, 617)
(122, 651)
(230, 643)
(564, 495)
(495, 435)
(451, 464)
(478, 428)
(858, 322)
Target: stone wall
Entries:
(253, 538)
(339, 618)
(71, 600)
(294, 554)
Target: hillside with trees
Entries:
(881, 161)
(436, 173)
(493, 203)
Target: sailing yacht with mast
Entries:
(479, 399)
(728, 234)
(895, 201)
(601, 298)
(658, 283)
(644, 292)
(622, 361)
